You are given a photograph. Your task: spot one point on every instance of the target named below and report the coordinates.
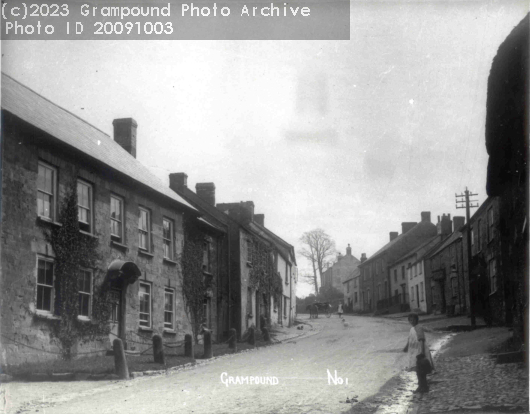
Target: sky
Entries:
(353, 136)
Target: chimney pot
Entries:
(348, 250)
(206, 191)
(125, 134)
(178, 181)
(363, 257)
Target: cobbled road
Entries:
(364, 352)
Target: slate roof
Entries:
(71, 130)
(450, 240)
(419, 230)
(426, 247)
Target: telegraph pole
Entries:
(464, 199)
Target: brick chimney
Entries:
(178, 181)
(125, 134)
(260, 219)
(348, 250)
(406, 226)
(426, 216)
(458, 222)
(393, 234)
(363, 257)
(206, 191)
(242, 211)
(444, 226)
(247, 211)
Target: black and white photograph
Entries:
(278, 207)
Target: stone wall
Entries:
(25, 333)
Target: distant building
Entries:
(375, 271)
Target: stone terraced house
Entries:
(136, 219)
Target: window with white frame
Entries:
(249, 251)
(421, 291)
(167, 236)
(116, 218)
(454, 287)
(169, 309)
(395, 275)
(348, 287)
(420, 267)
(84, 205)
(45, 291)
(491, 229)
(409, 271)
(144, 294)
(85, 293)
(412, 294)
(355, 296)
(46, 190)
(144, 229)
(493, 275)
(414, 270)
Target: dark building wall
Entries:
(22, 241)
(440, 270)
(488, 245)
(507, 173)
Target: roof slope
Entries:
(450, 240)
(405, 242)
(422, 249)
(77, 133)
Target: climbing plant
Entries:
(75, 251)
(194, 281)
(263, 276)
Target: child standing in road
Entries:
(418, 353)
(339, 310)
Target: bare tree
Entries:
(318, 247)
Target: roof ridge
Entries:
(54, 104)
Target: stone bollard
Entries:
(266, 336)
(158, 350)
(120, 362)
(207, 340)
(232, 342)
(188, 346)
(251, 336)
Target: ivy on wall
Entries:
(194, 281)
(74, 251)
(262, 275)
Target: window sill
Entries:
(169, 261)
(249, 265)
(145, 253)
(145, 329)
(205, 273)
(169, 332)
(46, 315)
(44, 220)
(495, 291)
(118, 245)
(83, 319)
(86, 233)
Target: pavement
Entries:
(468, 378)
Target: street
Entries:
(364, 352)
